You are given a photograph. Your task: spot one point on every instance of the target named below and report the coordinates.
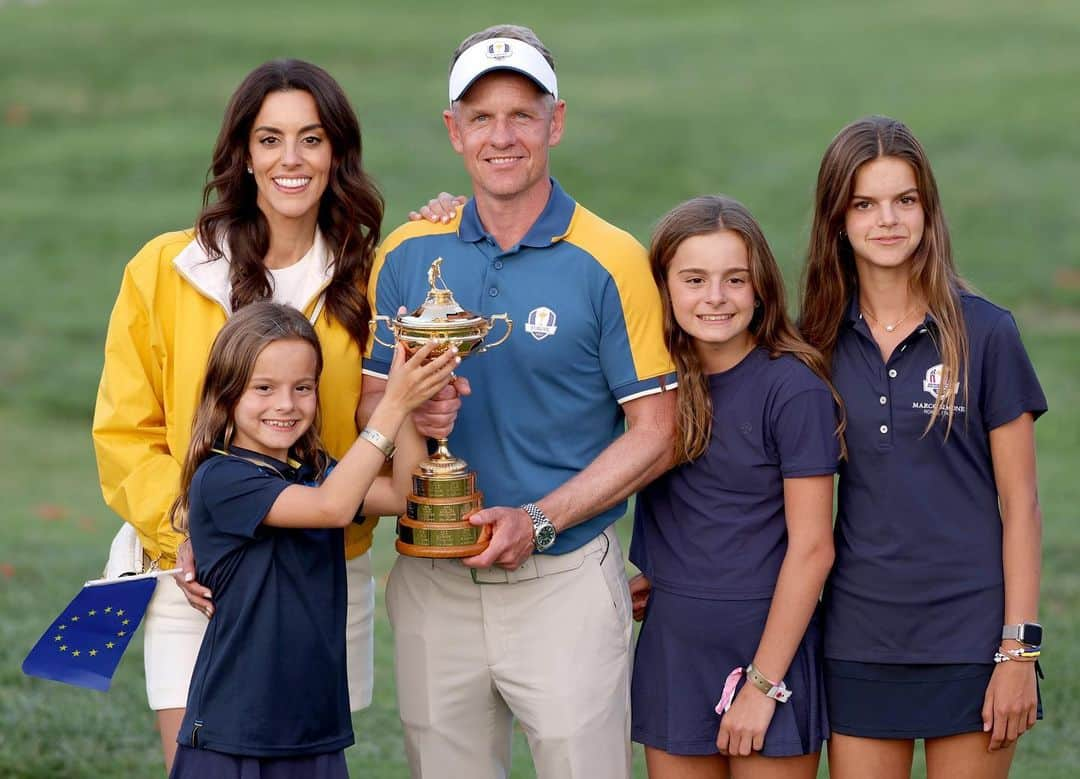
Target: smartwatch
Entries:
(1027, 633)
(543, 531)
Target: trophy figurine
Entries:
(444, 494)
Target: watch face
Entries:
(545, 536)
(1031, 634)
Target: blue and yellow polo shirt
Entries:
(587, 337)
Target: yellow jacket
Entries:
(172, 303)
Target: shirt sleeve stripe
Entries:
(651, 386)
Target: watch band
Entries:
(543, 528)
(778, 691)
(379, 441)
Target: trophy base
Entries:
(435, 522)
(442, 540)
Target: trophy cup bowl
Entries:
(444, 494)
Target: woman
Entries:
(288, 214)
(735, 543)
(931, 610)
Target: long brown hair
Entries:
(770, 325)
(830, 278)
(228, 371)
(350, 213)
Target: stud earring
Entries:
(757, 304)
(250, 171)
(842, 234)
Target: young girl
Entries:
(930, 612)
(735, 543)
(266, 509)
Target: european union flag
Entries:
(84, 644)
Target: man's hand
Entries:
(640, 588)
(511, 538)
(435, 418)
(197, 595)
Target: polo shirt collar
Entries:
(550, 227)
(289, 470)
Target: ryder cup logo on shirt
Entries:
(932, 382)
(499, 50)
(541, 323)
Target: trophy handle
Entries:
(375, 329)
(509, 326)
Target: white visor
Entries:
(501, 54)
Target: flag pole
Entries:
(136, 577)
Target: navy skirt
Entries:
(685, 651)
(891, 700)
(207, 764)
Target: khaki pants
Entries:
(548, 643)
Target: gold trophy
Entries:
(444, 494)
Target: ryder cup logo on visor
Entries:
(499, 50)
(541, 323)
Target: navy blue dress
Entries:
(711, 536)
(268, 695)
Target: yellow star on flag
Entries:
(109, 644)
(91, 613)
(74, 619)
(121, 632)
(75, 653)
(63, 647)
(108, 609)
(119, 612)
(93, 652)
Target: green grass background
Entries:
(109, 109)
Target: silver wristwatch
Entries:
(543, 531)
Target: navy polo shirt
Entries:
(715, 527)
(587, 336)
(270, 678)
(918, 575)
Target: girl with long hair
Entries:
(289, 214)
(734, 543)
(266, 507)
(931, 611)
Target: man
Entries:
(528, 628)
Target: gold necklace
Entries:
(894, 325)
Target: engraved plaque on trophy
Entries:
(444, 494)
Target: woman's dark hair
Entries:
(350, 213)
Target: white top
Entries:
(295, 284)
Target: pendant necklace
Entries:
(894, 325)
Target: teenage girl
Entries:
(931, 610)
(266, 508)
(734, 544)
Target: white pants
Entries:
(173, 632)
(548, 643)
